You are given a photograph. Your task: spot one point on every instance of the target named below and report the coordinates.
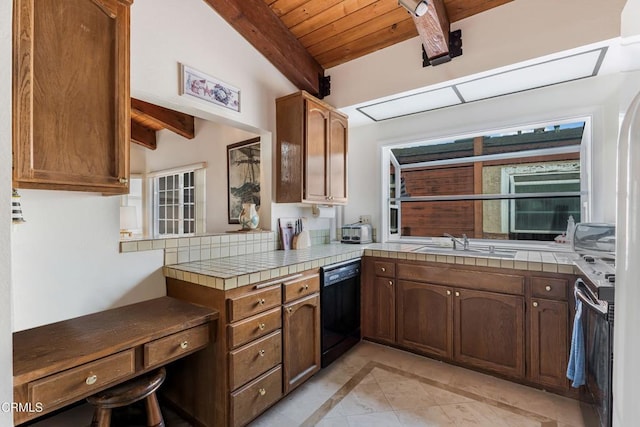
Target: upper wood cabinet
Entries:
(71, 102)
(311, 151)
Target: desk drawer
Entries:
(301, 287)
(254, 303)
(253, 359)
(165, 349)
(254, 327)
(81, 381)
(252, 399)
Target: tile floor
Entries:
(375, 385)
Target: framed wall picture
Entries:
(203, 86)
(243, 176)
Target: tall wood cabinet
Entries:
(71, 119)
(311, 151)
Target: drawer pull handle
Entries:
(261, 353)
(535, 304)
(261, 326)
(261, 301)
(289, 309)
(390, 282)
(547, 288)
(383, 269)
(184, 344)
(448, 292)
(457, 294)
(262, 392)
(305, 287)
(91, 380)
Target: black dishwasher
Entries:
(340, 309)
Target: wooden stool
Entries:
(143, 387)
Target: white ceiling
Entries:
(602, 58)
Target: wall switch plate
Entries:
(365, 219)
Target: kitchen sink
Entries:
(483, 251)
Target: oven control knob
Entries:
(612, 278)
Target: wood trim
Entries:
(478, 219)
(257, 23)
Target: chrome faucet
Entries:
(464, 242)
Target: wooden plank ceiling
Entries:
(302, 38)
(337, 31)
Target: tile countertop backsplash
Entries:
(233, 271)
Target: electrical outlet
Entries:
(365, 219)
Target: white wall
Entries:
(512, 33)
(6, 350)
(596, 97)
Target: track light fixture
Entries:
(415, 7)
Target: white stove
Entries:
(600, 273)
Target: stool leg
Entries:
(154, 416)
(101, 417)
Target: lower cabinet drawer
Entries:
(252, 399)
(165, 349)
(81, 381)
(253, 359)
(242, 332)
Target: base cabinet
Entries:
(301, 328)
(489, 331)
(378, 307)
(426, 323)
(513, 323)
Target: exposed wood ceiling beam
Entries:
(433, 28)
(261, 27)
(180, 123)
(143, 135)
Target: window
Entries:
(517, 184)
(178, 201)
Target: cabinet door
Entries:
(317, 134)
(378, 309)
(548, 321)
(426, 317)
(337, 168)
(301, 329)
(71, 95)
(489, 331)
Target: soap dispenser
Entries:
(571, 228)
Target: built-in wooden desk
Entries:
(57, 364)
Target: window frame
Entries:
(387, 158)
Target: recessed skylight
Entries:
(572, 67)
(411, 104)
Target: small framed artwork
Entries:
(243, 176)
(203, 86)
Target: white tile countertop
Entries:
(233, 271)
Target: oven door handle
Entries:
(579, 293)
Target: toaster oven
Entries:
(357, 232)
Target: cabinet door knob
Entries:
(262, 392)
(261, 353)
(123, 180)
(535, 304)
(91, 379)
(390, 282)
(547, 288)
(289, 309)
(184, 344)
(383, 269)
(261, 326)
(448, 292)
(305, 287)
(261, 301)
(457, 293)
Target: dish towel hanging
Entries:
(576, 368)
